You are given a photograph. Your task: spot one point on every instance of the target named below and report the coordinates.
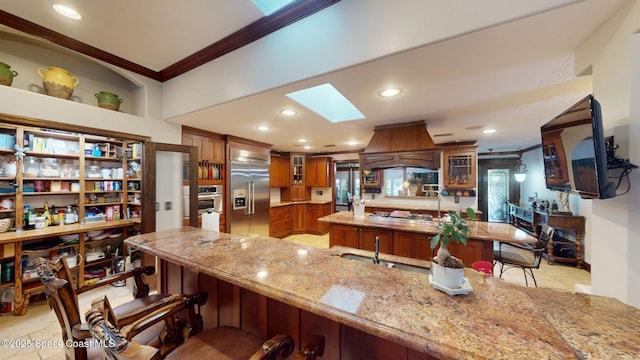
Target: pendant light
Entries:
(521, 170)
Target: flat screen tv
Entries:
(574, 153)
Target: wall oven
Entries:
(210, 197)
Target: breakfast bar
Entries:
(267, 285)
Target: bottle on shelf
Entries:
(29, 218)
(69, 216)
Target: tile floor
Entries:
(40, 324)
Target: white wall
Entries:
(345, 30)
(613, 55)
(139, 112)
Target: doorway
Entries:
(347, 184)
(170, 174)
(497, 195)
(496, 188)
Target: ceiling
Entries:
(512, 77)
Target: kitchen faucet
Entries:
(375, 256)
(439, 198)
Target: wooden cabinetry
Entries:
(343, 235)
(412, 245)
(367, 240)
(566, 245)
(94, 181)
(281, 221)
(299, 218)
(315, 211)
(459, 168)
(279, 171)
(404, 243)
(211, 154)
(297, 186)
(318, 172)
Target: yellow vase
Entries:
(58, 82)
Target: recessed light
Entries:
(307, 147)
(67, 12)
(390, 92)
(352, 143)
(263, 128)
(302, 140)
(489, 131)
(288, 112)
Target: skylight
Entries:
(327, 102)
(268, 7)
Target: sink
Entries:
(389, 264)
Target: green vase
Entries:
(108, 100)
(6, 74)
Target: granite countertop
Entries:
(285, 203)
(480, 230)
(496, 320)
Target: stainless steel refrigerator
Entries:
(249, 191)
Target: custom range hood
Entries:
(400, 145)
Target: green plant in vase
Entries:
(446, 269)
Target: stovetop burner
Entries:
(406, 217)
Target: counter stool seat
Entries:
(221, 343)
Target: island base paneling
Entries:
(407, 244)
(230, 305)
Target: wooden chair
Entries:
(221, 343)
(163, 320)
(510, 255)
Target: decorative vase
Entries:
(58, 82)
(108, 100)
(6, 74)
(449, 277)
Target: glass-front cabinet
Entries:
(297, 170)
(459, 169)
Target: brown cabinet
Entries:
(566, 245)
(367, 240)
(209, 149)
(211, 153)
(279, 171)
(460, 168)
(412, 245)
(318, 172)
(297, 186)
(299, 218)
(344, 235)
(404, 243)
(315, 211)
(280, 221)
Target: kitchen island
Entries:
(268, 286)
(411, 238)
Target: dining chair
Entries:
(163, 320)
(523, 256)
(219, 343)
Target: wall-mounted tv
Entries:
(574, 153)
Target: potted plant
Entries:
(447, 270)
